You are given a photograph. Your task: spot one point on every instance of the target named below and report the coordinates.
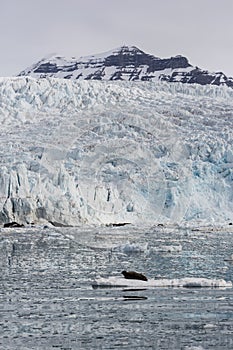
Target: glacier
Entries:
(100, 152)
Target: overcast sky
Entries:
(201, 30)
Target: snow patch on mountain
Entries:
(101, 152)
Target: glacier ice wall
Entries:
(103, 152)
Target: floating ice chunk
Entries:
(129, 248)
(167, 248)
(230, 258)
(188, 282)
(194, 348)
(210, 326)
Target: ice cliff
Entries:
(111, 152)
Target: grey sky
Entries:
(201, 30)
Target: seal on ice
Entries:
(134, 275)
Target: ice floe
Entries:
(188, 282)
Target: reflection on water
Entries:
(47, 300)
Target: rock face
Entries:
(126, 63)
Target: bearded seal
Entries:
(132, 275)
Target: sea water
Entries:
(49, 300)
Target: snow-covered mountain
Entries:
(126, 63)
(102, 152)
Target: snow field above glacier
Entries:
(111, 152)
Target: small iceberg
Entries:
(167, 249)
(230, 258)
(130, 248)
(188, 282)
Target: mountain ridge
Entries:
(126, 63)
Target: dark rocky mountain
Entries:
(126, 63)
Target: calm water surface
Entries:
(47, 300)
